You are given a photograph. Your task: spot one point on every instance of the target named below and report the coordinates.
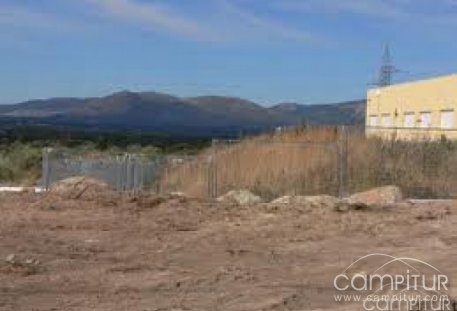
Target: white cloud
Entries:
(155, 17)
(434, 15)
(21, 17)
(218, 21)
(210, 21)
(375, 8)
(269, 27)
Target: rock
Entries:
(29, 261)
(150, 200)
(287, 199)
(343, 206)
(318, 201)
(10, 258)
(381, 196)
(177, 195)
(240, 197)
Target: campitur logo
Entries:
(384, 282)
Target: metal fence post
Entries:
(215, 170)
(342, 162)
(118, 165)
(46, 169)
(140, 170)
(129, 173)
(124, 180)
(209, 173)
(212, 172)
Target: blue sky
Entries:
(269, 51)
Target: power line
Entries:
(387, 69)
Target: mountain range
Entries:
(167, 114)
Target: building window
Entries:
(409, 119)
(447, 119)
(426, 119)
(386, 120)
(373, 120)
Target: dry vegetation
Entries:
(307, 161)
(19, 164)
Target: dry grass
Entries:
(306, 161)
(425, 169)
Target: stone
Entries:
(10, 258)
(177, 195)
(381, 196)
(287, 199)
(29, 261)
(318, 201)
(240, 197)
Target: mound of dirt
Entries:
(82, 188)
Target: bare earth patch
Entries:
(176, 254)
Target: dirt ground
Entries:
(189, 255)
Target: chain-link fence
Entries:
(126, 172)
(275, 168)
(335, 161)
(422, 168)
(267, 166)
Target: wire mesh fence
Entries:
(191, 176)
(274, 168)
(126, 172)
(422, 168)
(335, 161)
(268, 166)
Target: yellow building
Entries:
(423, 109)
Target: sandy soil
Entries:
(189, 255)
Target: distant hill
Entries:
(41, 108)
(344, 113)
(237, 111)
(163, 113)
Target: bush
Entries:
(20, 163)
